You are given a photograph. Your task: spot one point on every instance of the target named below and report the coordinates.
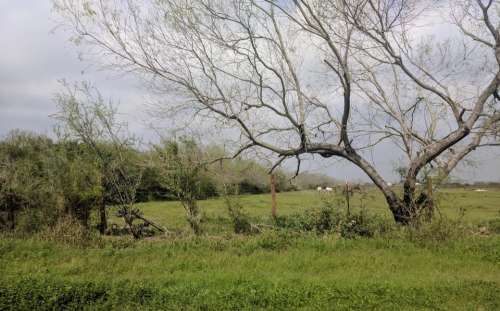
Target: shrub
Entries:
(321, 220)
(329, 219)
(362, 224)
(69, 231)
(439, 229)
(31, 220)
(494, 225)
(240, 221)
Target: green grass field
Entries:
(471, 206)
(272, 270)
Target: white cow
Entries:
(319, 189)
(328, 189)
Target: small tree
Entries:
(181, 164)
(76, 177)
(85, 116)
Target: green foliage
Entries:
(182, 172)
(26, 189)
(240, 221)
(45, 180)
(329, 219)
(41, 180)
(321, 220)
(53, 186)
(310, 181)
(361, 224)
(439, 229)
(76, 177)
(240, 295)
(48, 294)
(292, 268)
(494, 225)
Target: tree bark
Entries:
(411, 208)
(193, 215)
(11, 218)
(103, 223)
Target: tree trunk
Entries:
(402, 214)
(405, 210)
(411, 208)
(11, 218)
(193, 215)
(405, 215)
(129, 221)
(103, 223)
(13, 204)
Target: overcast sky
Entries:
(34, 57)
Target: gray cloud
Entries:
(34, 58)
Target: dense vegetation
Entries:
(42, 180)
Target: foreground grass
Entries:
(276, 269)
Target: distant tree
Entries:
(401, 171)
(306, 180)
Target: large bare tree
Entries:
(329, 77)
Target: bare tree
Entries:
(328, 77)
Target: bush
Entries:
(363, 225)
(321, 220)
(437, 230)
(494, 226)
(329, 219)
(31, 220)
(69, 231)
(240, 221)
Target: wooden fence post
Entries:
(273, 194)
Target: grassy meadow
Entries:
(272, 270)
(464, 203)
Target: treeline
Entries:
(42, 180)
(96, 163)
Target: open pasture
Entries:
(455, 203)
